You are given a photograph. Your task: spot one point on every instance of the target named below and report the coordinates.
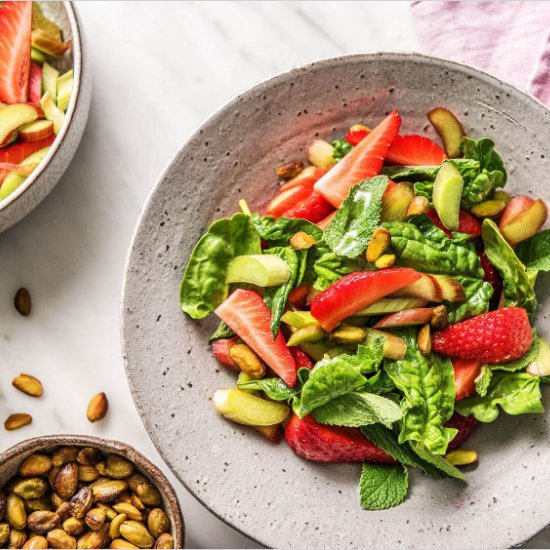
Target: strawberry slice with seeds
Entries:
(415, 151)
(313, 208)
(246, 314)
(466, 372)
(499, 336)
(301, 358)
(356, 291)
(465, 426)
(364, 161)
(287, 199)
(466, 223)
(320, 443)
(15, 51)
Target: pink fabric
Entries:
(508, 39)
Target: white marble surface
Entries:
(159, 70)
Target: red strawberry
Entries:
(466, 223)
(491, 275)
(325, 222)
(466, 372)
(220, 349)
(499, 336)
(330, 444)
(358, 290)
(15, 51)
(18, 152)
(301, 359)
(415, 151)
(246, 314)
(286, 199)
(35, 83)
(465, 426)
(357, 134)
(313, 208)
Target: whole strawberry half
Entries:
(320, 443)
(499, 336)
(465, 426)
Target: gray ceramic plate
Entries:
(263, 490)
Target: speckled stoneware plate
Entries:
(263, 490)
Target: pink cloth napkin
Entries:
(508, 39)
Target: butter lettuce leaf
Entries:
(351, 229)
(477, 293)
(383, 486)
(516, 393)
(203, 287)
(518, 289)
(428, 385)
(535, 252)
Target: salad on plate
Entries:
(34, 95)
(381, 306)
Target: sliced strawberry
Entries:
(35, 83)
(15, 51)
(313, 208)
(320, 443)
(415, 151)
(220, 349)
(465, 426)
(287, 199)
(301, 358)
(324, 223)
(357, 134)
(298, 296)
(466, 372)
(356, 291)
(247, 315)
(364, 161)
(491, 275)
(307, 177)
(466, 223)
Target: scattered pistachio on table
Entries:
(57, 500)
(28, 384)
(97, 408)
(22, 301)
(17, 420)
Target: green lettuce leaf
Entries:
(278, 232)
(516, 393)
(535, 252)
(523, 362)
(274, 388)
(203, 287)
(358, 409)
(380, 383)
(428, 385)
(383, 486)
(329, 379)
(351, 229)
(484, 152)
(518, 288)
(329, 267)
(439, 462)
(483, 380)
(477, 295)
(433, 252)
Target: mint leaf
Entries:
(428, 385)
(483, 380)
(369, 359)
(516, 393)
(329, 267)
(358, 409)
(535, 252)
(278, 232)
(274, 388)
(329, 379)
(477, 294)
(351, 229)
(222, 332)
(523, 362)
(440, 462)
(518, 289)
(383, 486)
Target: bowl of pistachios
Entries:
(73, 491)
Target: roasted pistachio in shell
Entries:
(129, 509)
(59, 539)
(108, 490)
(18, 538)
(136, 533)
(95, 519)
(43, 521)
(145, 490)
(33, 487)
(157, 522)
(166, 540)
(15, 512)
(63, 455)
(118, 467)
(74, 526)
(87, 473)
(66, 480)
(81, 502)
(35, 465)
(64, 511)
(89, 456)
(94, 539)
(36, 541)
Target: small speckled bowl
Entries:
(264, 490)
(12, 458)
(35, 188)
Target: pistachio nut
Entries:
(121, 543)
(87, 473)
(157, 522)
(56, 500)
(63, 455)
(74, 526)
(36, 541)
(18, 538)
(145, 490)
(22, 301)
(43, 521)
(136, 533)
(108, 490)
(28, 384)
(81, 502)
(129, 509)
(125, 497)
(32, 487)
(52, 473)
(89, 456)
(3, 504)
(4, 533)
(289, 170)
(16, 513)
(94, 539)
(17, 420)
(110, 513)
(95, 519)
(118, 467)
(165, 540)
(35, 465)
(97, 408)
(114, 527)
(37, 504)
(136, 501)
(66, 480)
(57, 538)
(64, 511)
(100, 467)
